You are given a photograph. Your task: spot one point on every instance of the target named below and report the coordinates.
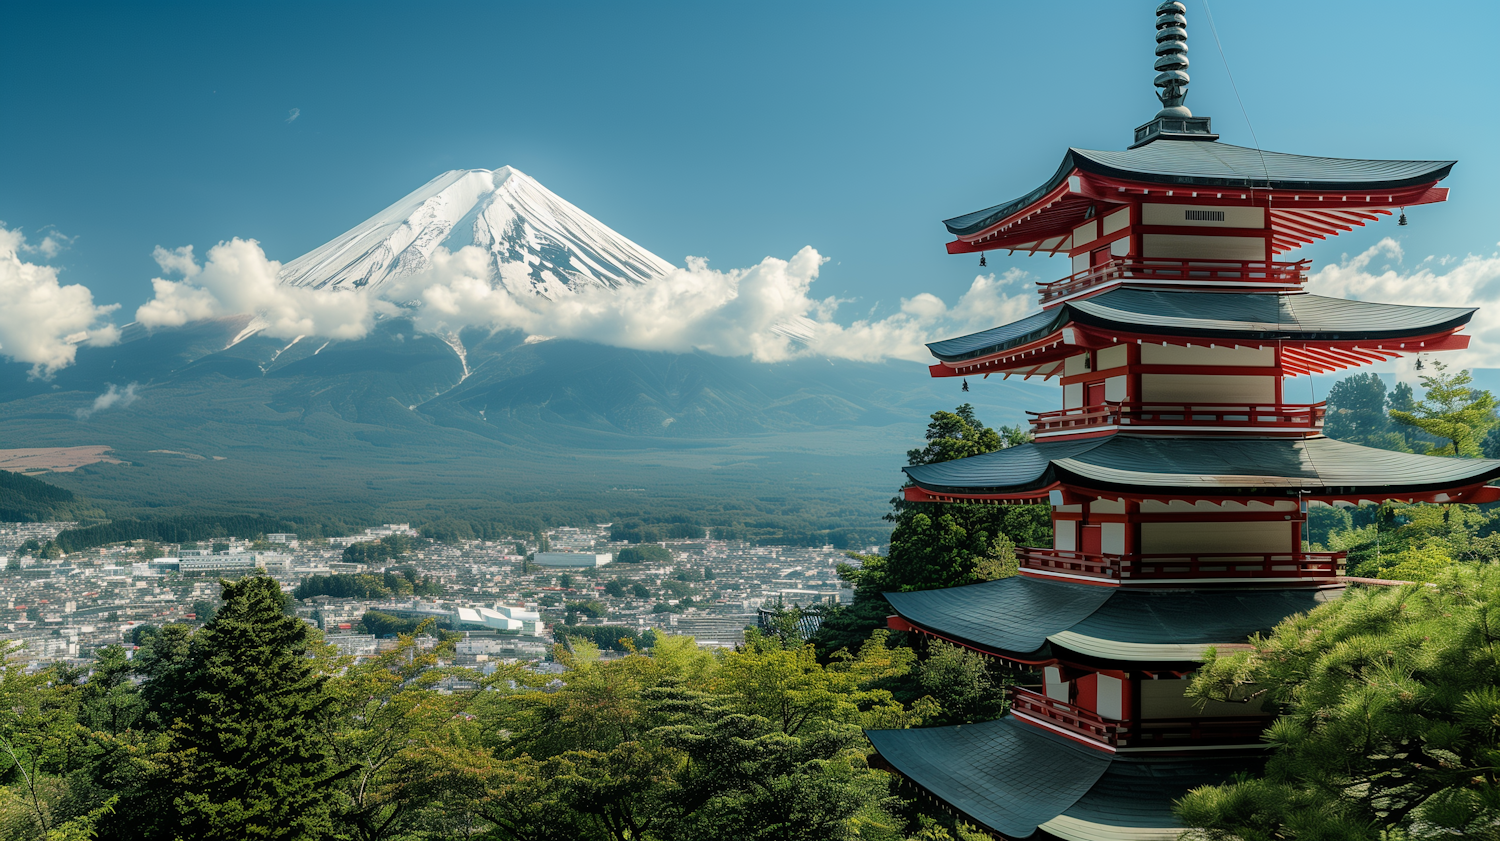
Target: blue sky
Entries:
(728, 131)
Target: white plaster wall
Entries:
(1112, 538)
(1085, 233)
(1174, 214)
(1111, 702)
(1202, 388)
(1191, 247)
(1111, 357)
(1255, 537)
(1165, 699)
(1114, 389)
(1077, 364)
(1065, 535)
(1073, 395)
(1220, 356)
(1116, 221)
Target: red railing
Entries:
(1286, 417)
(1205, 565)
(1162, 733)
(1251, 273)
(1075, 720)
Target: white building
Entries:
(571, 560)
(502, 618)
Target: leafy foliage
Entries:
(377, 551)
(936, 545)
(1457, 415)
(402, 582)
(1389, 718)
(647, 553)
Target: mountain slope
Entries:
(537, 241)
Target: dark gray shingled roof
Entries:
(1209, 164)
(1013, 615)
(1138, 792)
(1214, 315)
(1257, 466)
(1013, 778)
(1017, 615)
(1004, 774)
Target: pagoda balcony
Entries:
(1267, 275)
(1301, 419)
(1148, 734)
(1208, 567)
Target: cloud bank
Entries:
(236, 278)
(1377, 274)
(766, 312)
(42, 321)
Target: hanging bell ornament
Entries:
(981, 256)
(966, 383)
(1402, 220)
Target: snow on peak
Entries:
(538, 241)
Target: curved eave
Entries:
(1147, 315)
(1202, 467)
(1014, 779)
(1203, 164)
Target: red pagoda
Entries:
(1179, 477)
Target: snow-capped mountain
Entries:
(537, 241)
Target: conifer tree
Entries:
(247, 758)
(1459, 416)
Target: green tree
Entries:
(1389, 716)
(615, 588)
(648, 553)
(1357, 412)
(1451, 411)
(247, 757)
(639, 591)
(966, 684)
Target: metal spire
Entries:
(1171, 59)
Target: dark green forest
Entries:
(250, 726)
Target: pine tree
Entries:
(1459, 416)
(247, 758)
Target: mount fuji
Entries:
(538, 242)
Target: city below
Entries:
(505, 597)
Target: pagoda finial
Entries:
(1171, 59)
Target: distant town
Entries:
(505, 597)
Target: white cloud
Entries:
(42, 321)
(1473, 281)
(744, 312)
(237, 278)
(112, 398)
(766, 312)
(293, 114)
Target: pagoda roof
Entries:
(1214, 315)
(1024, 618)
(1016, 779)
(1202, 163)
(1201, 466)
